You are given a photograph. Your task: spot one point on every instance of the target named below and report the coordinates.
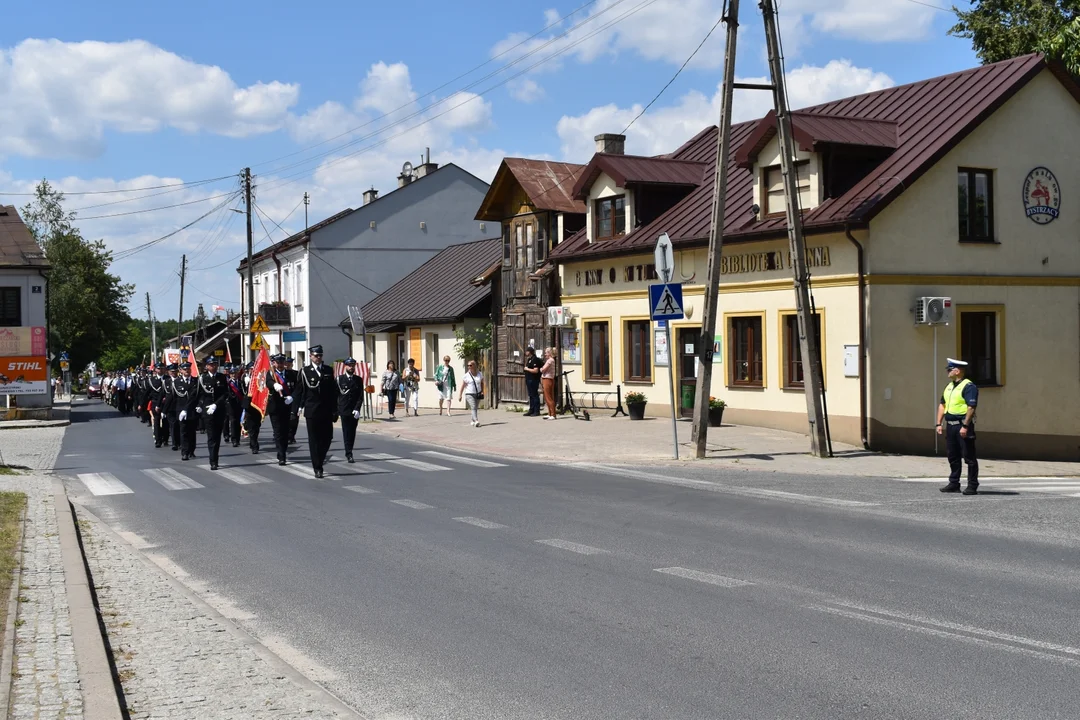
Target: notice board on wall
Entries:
(416, 348)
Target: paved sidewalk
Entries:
(61, 418)
(621, 441)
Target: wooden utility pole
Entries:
(808, 341)
(700, 431)
(180, 317)
(307, 201)
(153, 330)
(250, 271)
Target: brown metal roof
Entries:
(546, 183)
(811, 131)
(631, 169)
(932, 116)
(440, 290)
(17, 246)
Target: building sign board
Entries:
(1042, 196)
(21, 375)
(22, 341)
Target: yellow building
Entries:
(961, 188)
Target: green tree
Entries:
(1003, 29)
(472, 344)
(131, 349)
(87, 312)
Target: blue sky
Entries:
(143, 94)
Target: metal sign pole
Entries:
(664, 256)
(933, 385)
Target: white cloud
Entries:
(57, 98)
(661, 130)
(526, 90)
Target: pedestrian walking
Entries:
(547, 377)
(445, 384)
(187, 390)
(168, 407)
(234, 406)
(391, 383)
(318, 395)
(956, 420)
(252, 420)
(120, 389)
(278, 405)
(410, 383)
(350, 402)
(213, 389)
(156, 393)
(532, 381)
(294, 419)
(472, 387)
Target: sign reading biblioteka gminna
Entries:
(771, 260)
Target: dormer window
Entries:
(610, 217)
(773, 179)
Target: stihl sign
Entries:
(22, 365)
(16, 371)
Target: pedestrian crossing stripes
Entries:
(104, 484)
(1067, 486)
(305, 472)
(461, 459)
(172, 480)
(238, 476)
(419, 465)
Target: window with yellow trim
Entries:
(598, 348)
(980, 345)
(747, 341)
(792, 350)
(638, 346)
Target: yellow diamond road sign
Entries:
(259, 326)
(258, 343)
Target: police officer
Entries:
(252, 419)
(156, 395)
(235, 404)
(280, 390)
(186, 390)
(957, 413)
(318, 395)
(168, 407)
(350, 401)
(213, 389)
(294, 419)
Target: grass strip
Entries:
(11, 507)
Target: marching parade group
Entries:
(225, 402)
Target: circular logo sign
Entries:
(1042, 196)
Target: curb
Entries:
(6, 424)
(100, 701)
(266, 654)
(7, 663)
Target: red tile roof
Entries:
(812, 131)
(631, 169)
(546, 183)
(17, 246)
(931, 116)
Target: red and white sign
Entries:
(22, 341)
(24, 375)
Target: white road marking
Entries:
(1000, 478)
(380, 456)
(1034, 488)
(461, 459)
(302, 471)
(238, 476)
(73, 454)
(572, 546)
(104, 484)
(419, 465)
(413, 504)
(361, 489)
(171, 479)
(704, 577)
(481, 523)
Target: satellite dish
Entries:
(406, 169)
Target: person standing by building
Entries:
(410, 383)
(956, 420)
(318, 395)
(213, 389)
(391, 383)
(350, 402)
(446, 384)
(532, 381)
(547, 377)
(472, 387)
(278, 405)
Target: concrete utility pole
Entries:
(307, 201)
(180, 317)
(700, 431)
(250, 272)
(153, 331)
(808, 341)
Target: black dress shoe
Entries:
(350, 458)
(951, 488)
(175, 449)
(183, 456)
(971, 490)
(318, 473)
(213, 466)
(280, 462)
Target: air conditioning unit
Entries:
(933, 311)
(559, 316)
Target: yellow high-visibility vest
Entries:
(953, 398)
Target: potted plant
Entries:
(635, 405)
(716, 411)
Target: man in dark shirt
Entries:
(318, 395)
(956, 420)
(156, 394)
(532, 381)
(234, 404)
(213, 390)
(280, 391)
(350, 402)
(168, 407)
(186, 390)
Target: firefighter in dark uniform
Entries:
(350, 402)
(252, 420)
(140, 396)
(186, 390)
(213, 391)
(226, 427)
(279, 400)
(318, 395)
(956, 420)
(168, 407)
(294, 419)
(235, 403)
(156, 395)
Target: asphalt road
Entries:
(425, 585)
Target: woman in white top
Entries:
(472, 387)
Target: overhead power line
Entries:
(161, 207)
(144, 197)
(124, 254)
(110, 192)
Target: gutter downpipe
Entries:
(273, 256)
(863, 420)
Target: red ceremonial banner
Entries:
(257, 390)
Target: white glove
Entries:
(278, 387)
(288, 400)
(211, 408)
(198, 410)
(356, 414)
(183, 415)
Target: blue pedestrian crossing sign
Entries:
(665, 301)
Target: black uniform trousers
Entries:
(320, 433)
(188, 433)
(161, 427)
(294, 425)
(232, 422)
(279, 420)
(348, 432)
(214, 424)
(253, 423)
(961, 450)
(532, 386)
(173, 423)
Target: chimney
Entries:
(426, 167)
(370, 195)
(610, 143)
(404, 179)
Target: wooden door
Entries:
(686, 344)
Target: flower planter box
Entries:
(636, 410)
(716, 417)
(276, 315)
